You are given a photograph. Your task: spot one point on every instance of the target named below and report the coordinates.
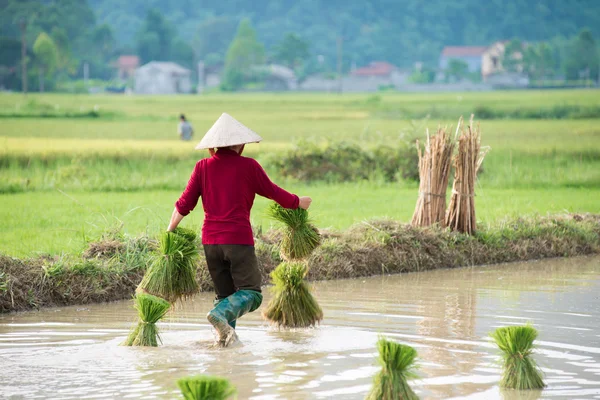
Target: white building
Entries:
(162, 78)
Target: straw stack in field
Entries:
(292, 304)
(434, 172)
(460, 215)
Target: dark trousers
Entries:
(232, 267)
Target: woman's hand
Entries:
(175, 220)
(305, 202)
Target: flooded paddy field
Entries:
(74, 352)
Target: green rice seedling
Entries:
(301, 237)
(189, 234)
(172, 271)
(292, 304)
(520, 370)
(205, 387)
(150, 310)
(397, 362)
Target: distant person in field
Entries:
(185, 129)
(228, 184)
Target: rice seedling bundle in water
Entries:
(292, 304)
(172, 271)
(397, 362)
(205, 387)
(519, 369)
(150, 310)
(434, 172)
(300, 238)
(460, 215)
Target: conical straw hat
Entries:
(227, 131)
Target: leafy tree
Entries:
(244, 52)
(583, 61)
(46, 56)
(182, 53)
(213, 36)
(424, 75)
(538, 61)
(512, 59)
(155, 39)
(65, 63)
(457, 70)
(103, 40)
(292, 51)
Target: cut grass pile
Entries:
(150, 310)
(369, 248)
(205, 387)
(520, 371)
(397, 364)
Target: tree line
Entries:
(308, 36)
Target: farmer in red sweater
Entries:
(228, 183)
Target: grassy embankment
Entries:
(111, 268)
(73, 166)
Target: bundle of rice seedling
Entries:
(397, 362)
(150, 310)
(187, 233)
(205, 387)
(292, 304)
(520, 370)
(300, 237)
(434, 172)
(172, 271)
(460, 215)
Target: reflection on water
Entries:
(74, 352)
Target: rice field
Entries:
(63, 180)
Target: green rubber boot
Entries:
(215, 303)
(229, 310)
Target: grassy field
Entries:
(73, 166)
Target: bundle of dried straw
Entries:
(434, 172)
(460, 215)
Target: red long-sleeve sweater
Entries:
(228, 183)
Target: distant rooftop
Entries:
(165, 66)
(463, 51)
(127, 61)
(376, 68)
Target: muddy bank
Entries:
(110, 269)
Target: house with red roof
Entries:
(126, 66)
(372, 77)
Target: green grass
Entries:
(127, 165)
(51, 222)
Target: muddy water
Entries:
(74, 352)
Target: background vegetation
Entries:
(73, 166)
(311, 36)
